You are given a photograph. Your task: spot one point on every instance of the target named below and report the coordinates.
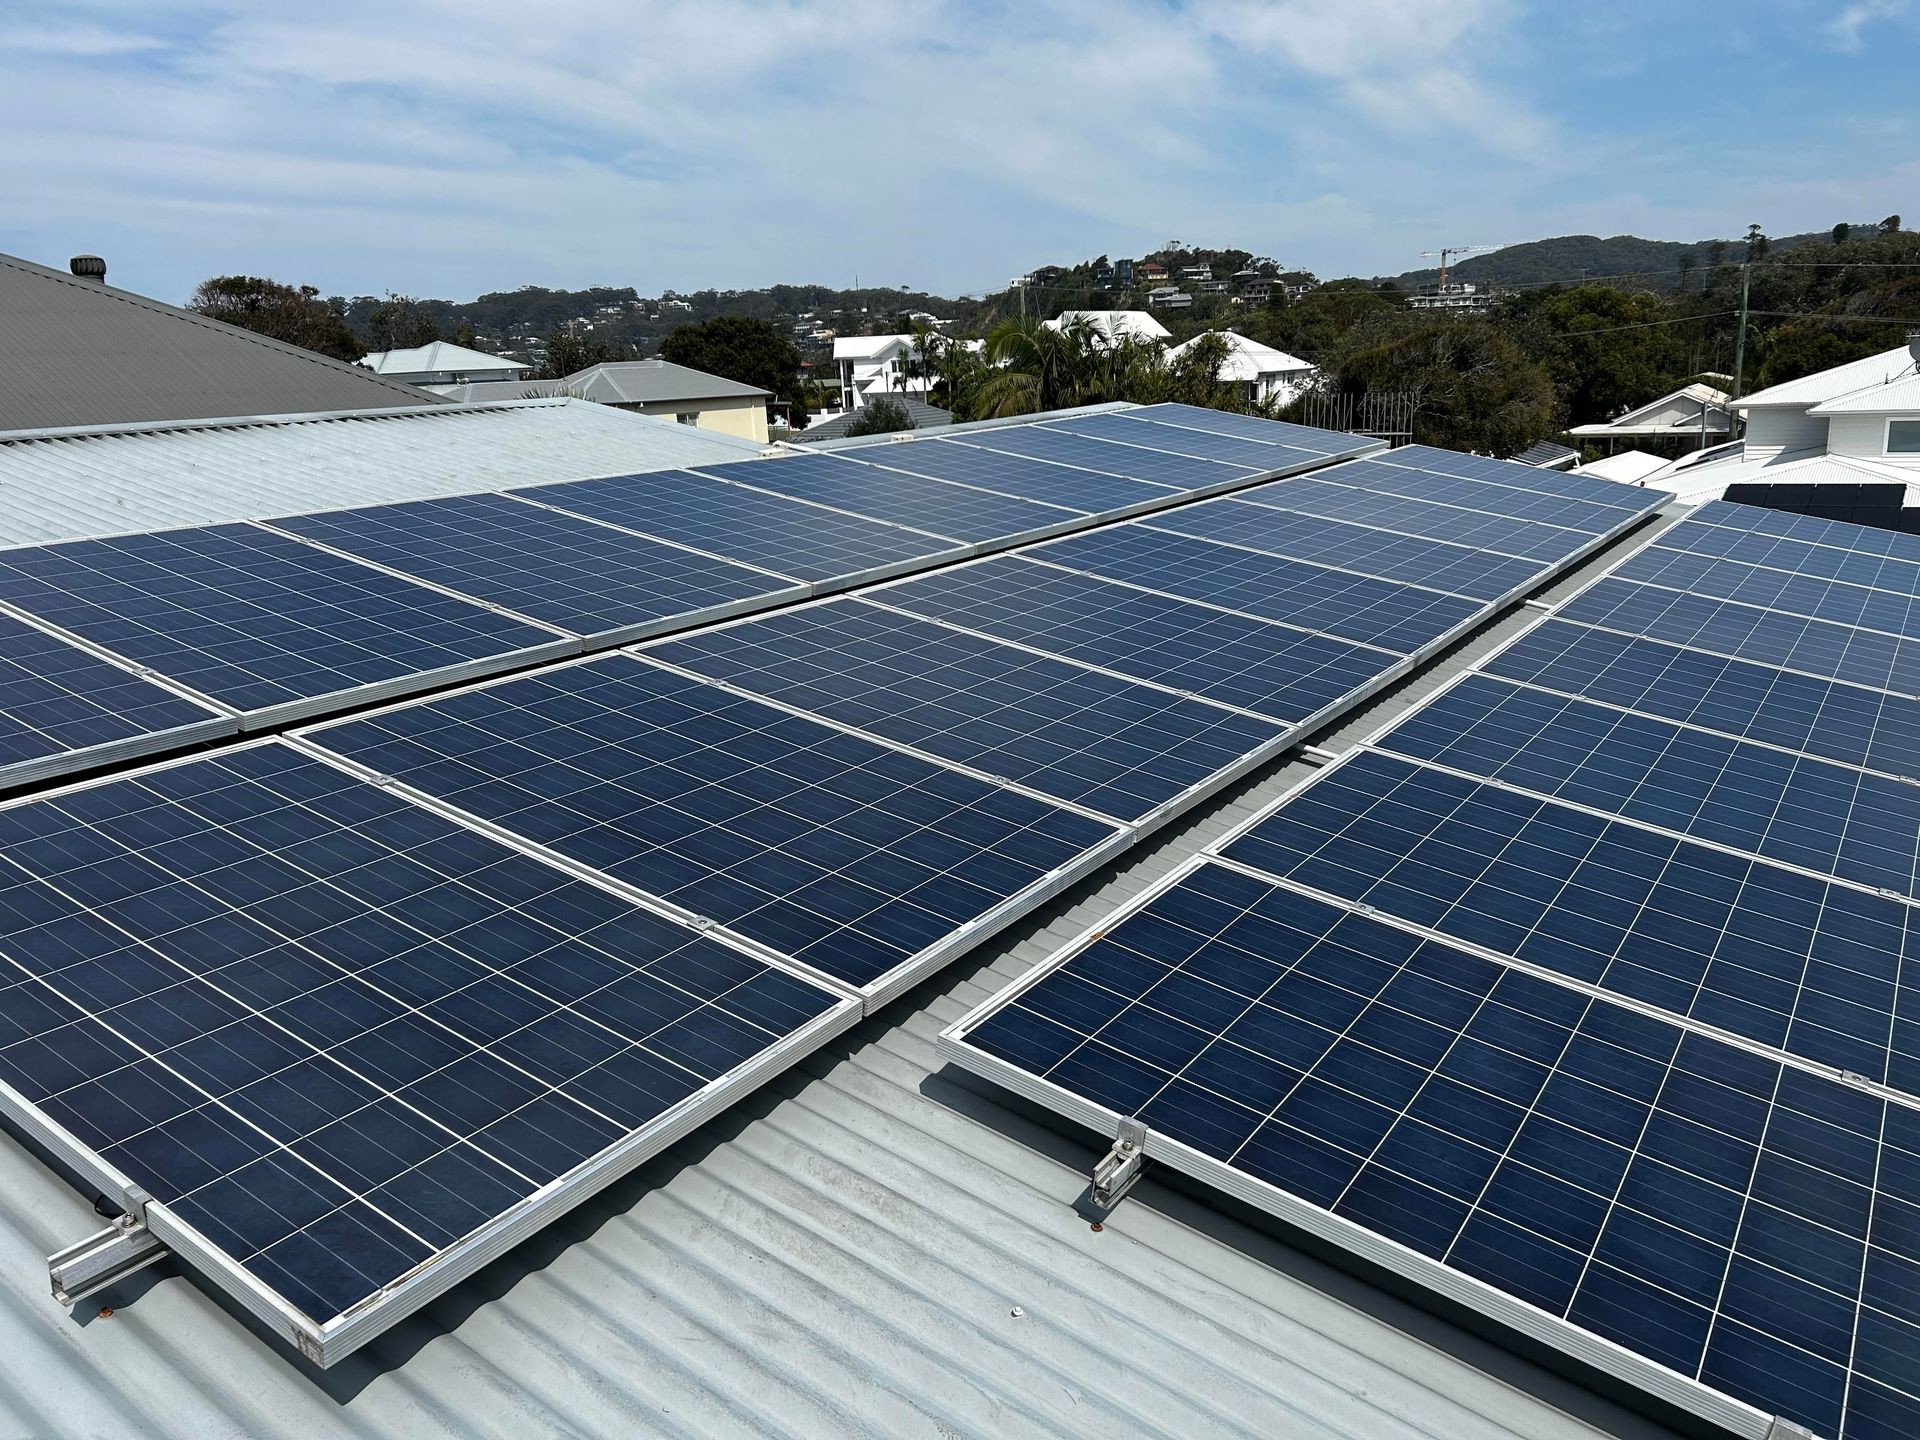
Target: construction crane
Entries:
(1446, 254)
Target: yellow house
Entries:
(649, 387)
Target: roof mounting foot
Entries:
(1785, 1429)
(105, 1258)
(1120, 1167)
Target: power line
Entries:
(1648, 324)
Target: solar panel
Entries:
(1747, 632)
(1434, 461)
(1735, 1231)
(1800, 557)
(1802, 964)
(1458, 569)
(1396, 617)
(1111, 744)
(1828, 718)
(1016, 475)
(261, 622)
(1277, 671)
(1812, 813)
(1179, 472)
(63, 709)
(1523, 539)
(1541, 503)
(350, 1048)
(604, 584)
(932, 505)
(1856, 539)
(1817, 598)
(1248, 427)
(855, 858)
(1261, 455)
(789, 537)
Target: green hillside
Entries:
(1567, 259)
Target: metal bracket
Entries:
(105, 1258)
(1785, 1429)
(1120, 1167)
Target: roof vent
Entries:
(89, 267)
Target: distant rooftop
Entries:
(80, 352)
(441, 357)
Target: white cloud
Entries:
(1845, 31)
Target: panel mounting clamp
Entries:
(107, 1257)
(1120, 1167)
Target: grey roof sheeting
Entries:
(106, 480)
(655, 382)
(869, 1246)
(78, 352)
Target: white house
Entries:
(1262, 372)
(1133, 324)
(1856, 424)
(877, 365)
(443, 363)
(1696, 413)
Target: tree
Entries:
(295, 314)
(734, 347)
(1473, 387)
(569, 354)
(1757, 244)
(1890, 225)
(1841, 232)
(1606, 349)
(400, 323)
(882, 416)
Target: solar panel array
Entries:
(1579, 993)
(261, 624)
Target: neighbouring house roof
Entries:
(1644, 420)
(438, 358)
(1697, 483)
(1110, 323)
(1826, 385)
(1548, 456)
(479, 391)
(654, 382)
(923, 415)
(868, 347)
(1249, 360)
(104, 480)
(1630, 467)
(79, 352)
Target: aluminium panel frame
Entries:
(327, 1342)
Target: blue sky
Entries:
(448, 147)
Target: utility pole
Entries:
(1740, 341)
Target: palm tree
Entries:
(1037, 367)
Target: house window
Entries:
(688, 417)
(1903, 437)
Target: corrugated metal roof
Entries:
(78, 352)
(923, 415)
(1831, 384)
(107, 480)
(435, 357)
(1707, 481)
(840, 1255)
(651, 382)
(1901, 396)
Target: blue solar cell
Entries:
(1256, 664)
(576, 574)
(1177, 472)
(334, 1032)
(1839, 534)
(1256, 455)
(893, 495)
(1523, 539)
(1248, 427)
(1646, 1184)
(1114, 745)
(1532, 479)
(1401, 618)
(257, 620)
(1541, 503)
(1014, 474)
(790, 537)
(1828, 718)
(1830, 818)
(1799, 557)
(1746, 632)
(1817, 598)
(1457, 569)
(851, 856)
(1802, 964)
(61, 708)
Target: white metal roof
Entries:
(868, 347)
(1896, 397)
(1637, 422)
(1249, 360)
(1629, 467)
(1831, 384)
(438, 357)
(61, 484)
(1695, 484)
(1135, 323)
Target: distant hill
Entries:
(1567, 258)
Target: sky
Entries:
(448, 149)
